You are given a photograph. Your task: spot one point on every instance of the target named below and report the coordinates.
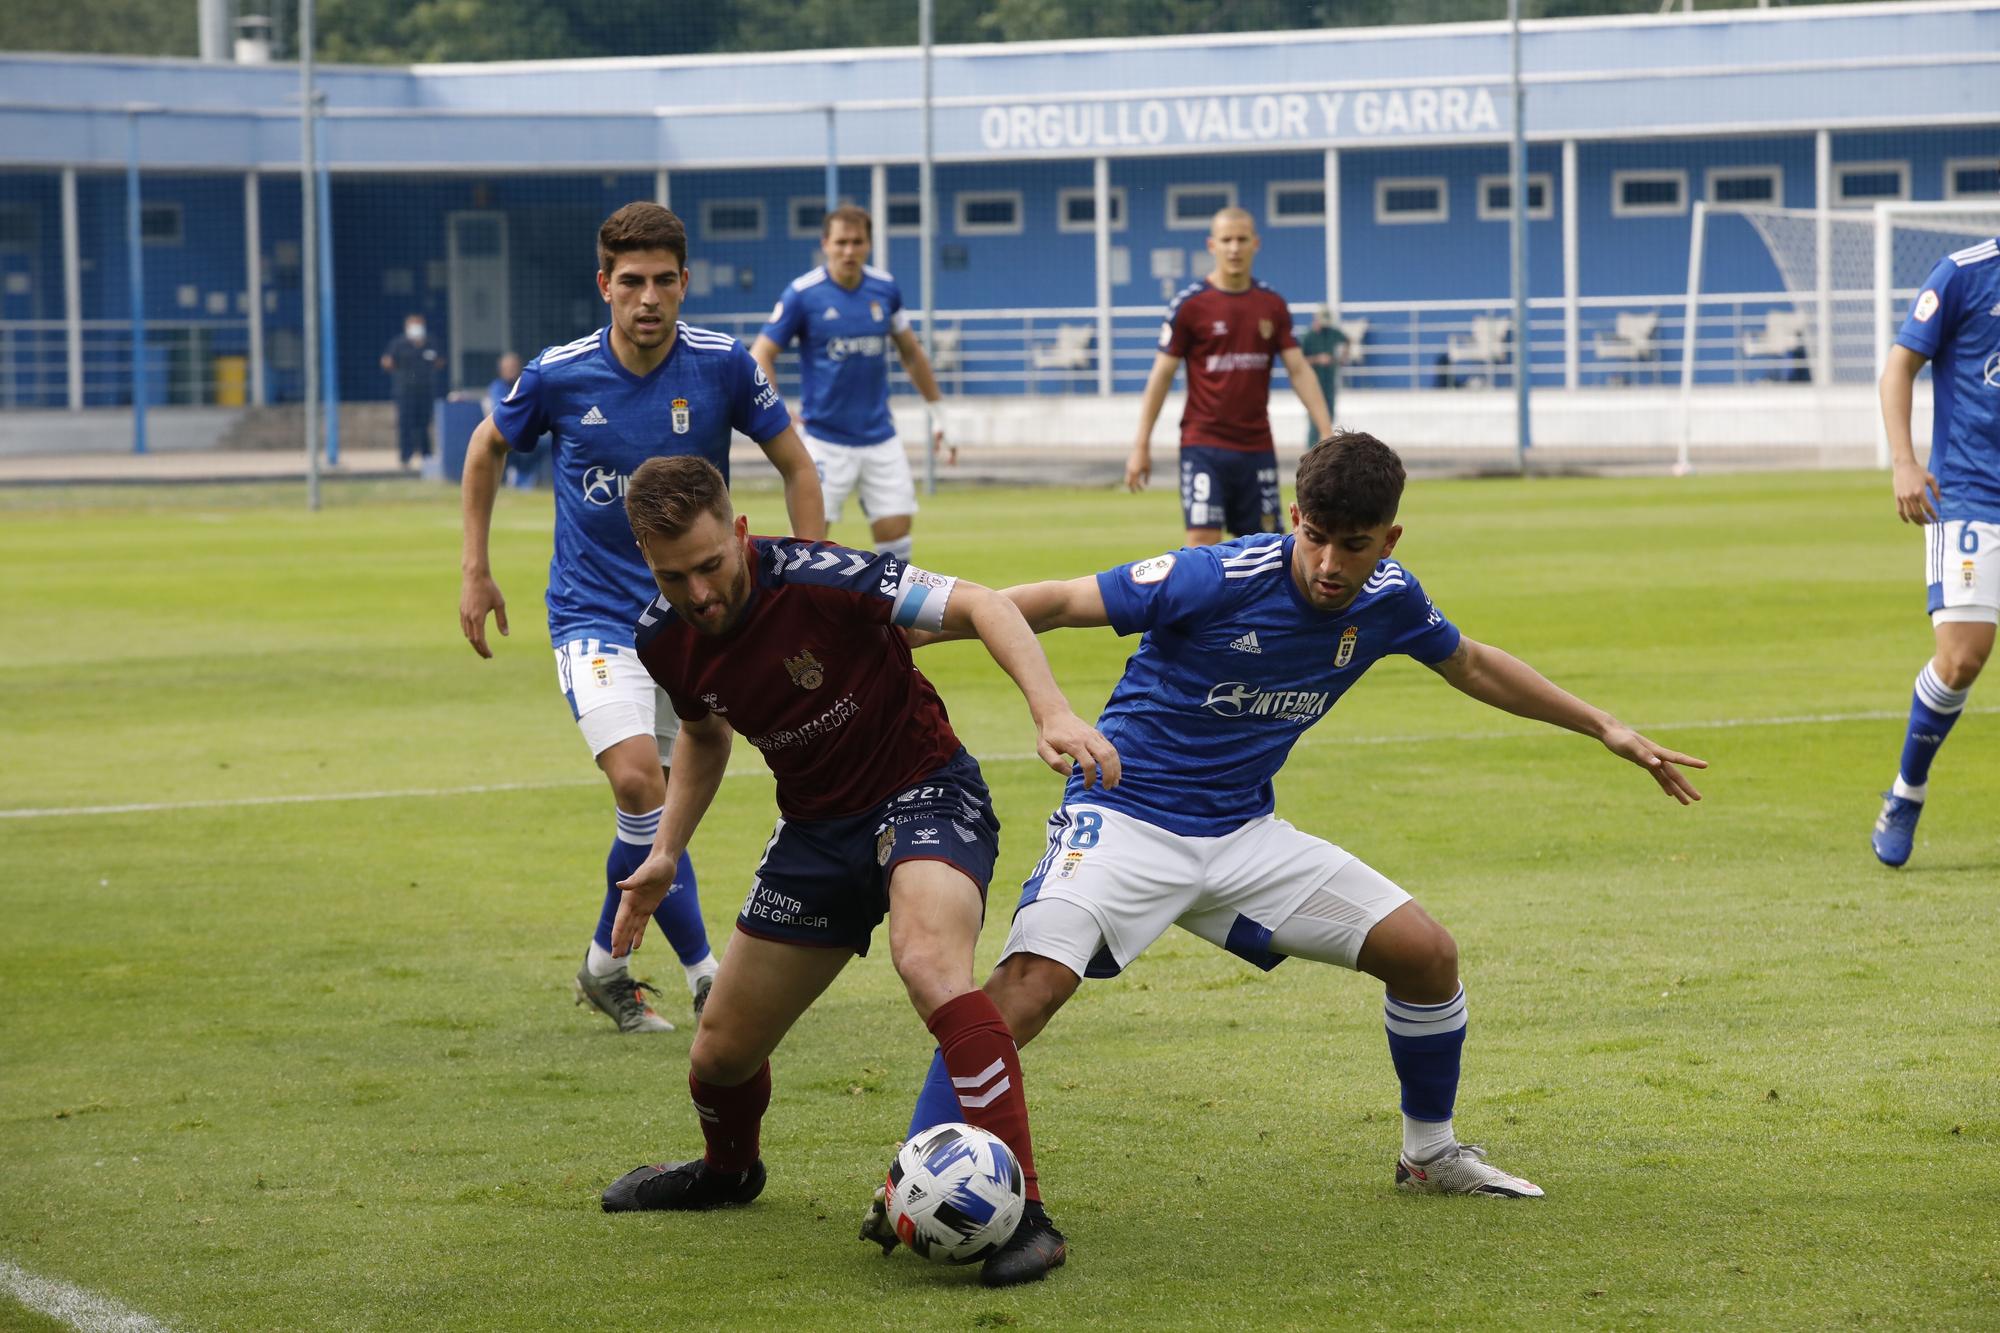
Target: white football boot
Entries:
(1462, 1170)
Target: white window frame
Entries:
(708, 228)
(1121, 209)
(1275, 188)
(180, 223)
(1775, 174)
(1543, 213)
(1953, 165)
(1840, 170)
(1621, 209)
(963, 198)
(1442, 213)
(1175, 193)
(889, 206)
(814, 232)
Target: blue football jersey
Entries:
(844, 339)
(605, 421)
(1955, 321)
(1234, 666)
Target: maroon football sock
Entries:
(730, 1118)
(985, 1069)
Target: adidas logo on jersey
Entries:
(1247, 644)
(593, 417)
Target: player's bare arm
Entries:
(1139, 467)
(1306, 385)
(804, 505)
(1506, 682)
(1057, 604)
(998, 624)
(911, 349)
(478, 594)
(1916, 489)
(701, 756)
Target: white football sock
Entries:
(707, 967)
(601, 963)
(1426, 1140)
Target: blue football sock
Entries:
(679, 913)
(1934, 707)
(1425, 1041)
(937, 1103)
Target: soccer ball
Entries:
(955, 1194)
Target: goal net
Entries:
(1843, 280)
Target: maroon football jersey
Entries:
(1228, 340)
(816, 673)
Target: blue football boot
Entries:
(1895, 829)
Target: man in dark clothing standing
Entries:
(413, 366)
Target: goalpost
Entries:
(1846, 274)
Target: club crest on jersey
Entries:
(807, 673)
(600, 669)
(875, 311)
(885, 843)
(680, 416)
(1265, 328)
(1070, 861)
(1345, 653)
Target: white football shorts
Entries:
(881, 472)
(1132, 880)
(612, 697)
(1962, 569)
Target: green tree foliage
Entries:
(408, 31)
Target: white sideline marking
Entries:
(1411, 738)
(74, 1306)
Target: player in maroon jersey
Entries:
(799, 646)
(1227, 328)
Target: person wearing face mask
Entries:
(413, 366)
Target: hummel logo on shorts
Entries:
(593, 417)
(1246, 644)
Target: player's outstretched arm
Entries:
(1139, 467)
(805, 506)
(1306, 385)
(1916, 490)
(1058, 604)
(998, 623)
(701, 756)
(1506, 682)
(478, 594)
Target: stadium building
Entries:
(155, 205)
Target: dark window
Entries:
(1302, 202)
(1745, 190)
(1412, 199)
(160, 224)
(1650, 193)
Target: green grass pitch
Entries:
(313, 1065)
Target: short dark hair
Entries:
(641, 226)
(667, 495)
(1349, 481)
(853, 216)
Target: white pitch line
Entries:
(1315, 741)
(80, 1309)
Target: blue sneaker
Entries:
(1895, 829)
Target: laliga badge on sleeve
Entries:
(1154, 570)
(1927, 304)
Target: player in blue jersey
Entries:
(1955, 325)
(644, 386)
(1245, 646)
(844, 315)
